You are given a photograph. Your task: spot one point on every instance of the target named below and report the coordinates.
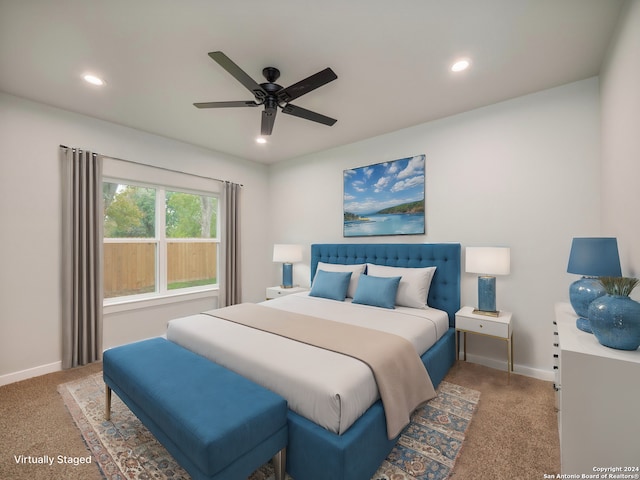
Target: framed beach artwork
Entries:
(385, 198)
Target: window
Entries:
(158, 240)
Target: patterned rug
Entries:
(124, 449)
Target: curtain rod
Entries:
(161, 168)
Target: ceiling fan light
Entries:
(261, 140)
(460, 65)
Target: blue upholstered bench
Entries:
(217, 424)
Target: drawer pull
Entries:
(480, 325)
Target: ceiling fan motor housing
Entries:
(270, 104)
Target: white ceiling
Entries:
(392, 60)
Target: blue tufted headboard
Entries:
(444, 293)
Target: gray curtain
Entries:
(82, 294)
(230, 292)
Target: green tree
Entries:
(145, 199)
(190, 216)
(108, 193)
(129, 211)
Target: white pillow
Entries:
(414, 284)
(356, 271)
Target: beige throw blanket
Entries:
(403, 381)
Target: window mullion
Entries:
(161, 239)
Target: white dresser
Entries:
(598, 401)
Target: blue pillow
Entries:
(377, 291)
(332, 285)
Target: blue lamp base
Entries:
(486, 296)
(287, 275)
(581, 293)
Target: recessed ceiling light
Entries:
(92, 79)
(460, 65)
(261, 140)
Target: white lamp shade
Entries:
(488, 260)
(285, 253)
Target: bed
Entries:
(336, 438)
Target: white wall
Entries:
(30, 321)
(620, 97)
(524, 173)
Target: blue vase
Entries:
(581, 293)
(615, 321)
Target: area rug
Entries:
(125, 450)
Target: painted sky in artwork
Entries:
(370, 189)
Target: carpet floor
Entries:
(124, 448)
(513, 434)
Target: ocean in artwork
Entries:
(396, 224)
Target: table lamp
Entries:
(591, 257)
(487, 262)
(288, 255)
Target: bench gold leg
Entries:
(107, 402)
(279, 464)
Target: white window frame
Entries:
(162, 294)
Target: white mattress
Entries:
(328, 388)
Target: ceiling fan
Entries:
(272, 95)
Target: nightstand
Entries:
(495, 327)
(275, 292)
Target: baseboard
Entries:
(486, 361)
(30, 373)
(540, 374)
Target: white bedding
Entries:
(330, 389)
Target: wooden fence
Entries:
(191, 261)
(129, 268)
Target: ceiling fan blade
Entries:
(268, 119)
(307, 85)
(239, 74)
(308, 115)
(241, 103)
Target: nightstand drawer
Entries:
(275, 292)
(487, 327)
